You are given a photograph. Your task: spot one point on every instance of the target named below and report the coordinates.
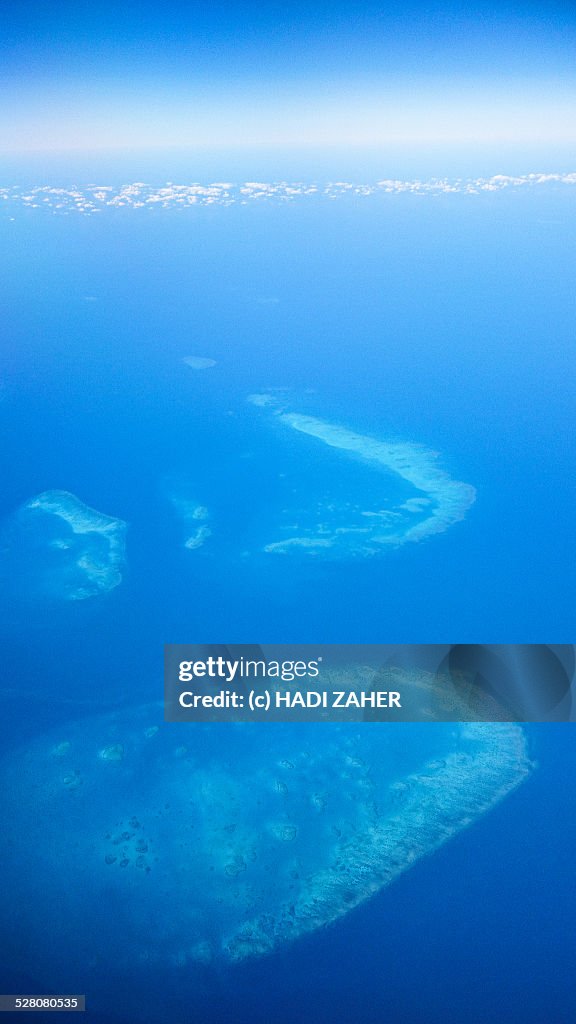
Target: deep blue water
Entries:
(446, 322)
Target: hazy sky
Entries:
(206, 74)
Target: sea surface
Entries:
(444, 322)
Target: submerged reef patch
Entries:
(415, 499)
(184, 856)
(193, 515)
(55, 547)
(199, 362)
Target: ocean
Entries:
(441, 322)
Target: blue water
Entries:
(444, 321)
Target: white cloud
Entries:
(138, 195)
